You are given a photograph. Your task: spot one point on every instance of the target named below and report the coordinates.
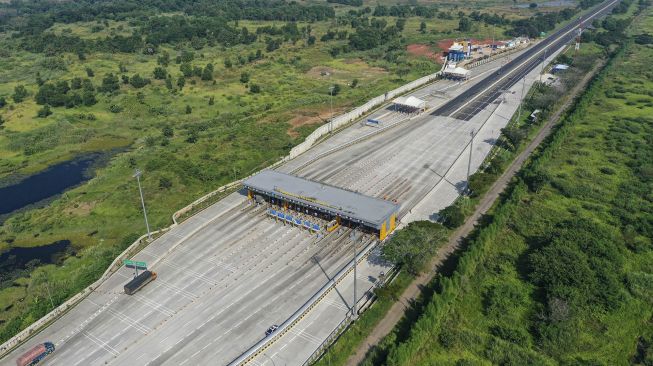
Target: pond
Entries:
(18, 258)
(40, 187)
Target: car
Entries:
(271, 330)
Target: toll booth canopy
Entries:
(372, 213)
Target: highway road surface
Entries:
(228, 273)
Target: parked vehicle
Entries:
(35, 355)
(139, 281)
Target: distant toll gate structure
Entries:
(327, 202)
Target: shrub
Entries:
(44, 112)
(452, 216)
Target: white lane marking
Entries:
(100, 343)
(127, 320)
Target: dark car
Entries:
(271, 330)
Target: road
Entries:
(229, 272)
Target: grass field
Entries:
(562, 273)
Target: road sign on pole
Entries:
(134, 264)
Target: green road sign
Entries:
(134, 264)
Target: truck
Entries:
(35, 355)
(139, 281)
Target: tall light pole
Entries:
(354, 312)
(543, 62)
(521, 98)
(331, 119)
(469, 162)
(138, 174)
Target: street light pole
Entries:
(138, 174)
(469, 162)
(521, 98)
(354, 310)
(331, 119)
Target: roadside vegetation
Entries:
(561, 272)
(196, 94)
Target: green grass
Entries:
(492, 310)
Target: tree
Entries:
(402, 71)
(244, 77)
(207, 73)
(138, 82)
(20, 93)
(163, 59)
(110, 83)
(255, 88)
(187, 56)
(464, 24)
(354, 83)
(160, 73)
(125, 79)
(88, 98)
(44, 112)
(189, 110)
(422, 27)
(335, 89)
(3, 102)
(311, 40)
(186, 69)
(227, 63)
(181, 82)
(412, 247)
(452, 216)
(89, 72)
(76, 83)
(212, 100)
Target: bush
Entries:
(452, 216)
(20, 93)
(255, 88)
(44, 112)
(115, 108)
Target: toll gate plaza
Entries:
(312, 199)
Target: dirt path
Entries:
(411, 293)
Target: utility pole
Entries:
(521, 99)
(469, 162)
(137, 175)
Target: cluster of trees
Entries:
(41, 15)
(62, 93)
(373, 33)
(347, 2)
(405, 11)
(188, 71)
(199, 31)
(533, 26)
(51, 44)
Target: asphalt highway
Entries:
(470, 102)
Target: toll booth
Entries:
(334, 206)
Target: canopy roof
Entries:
(410, 101)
